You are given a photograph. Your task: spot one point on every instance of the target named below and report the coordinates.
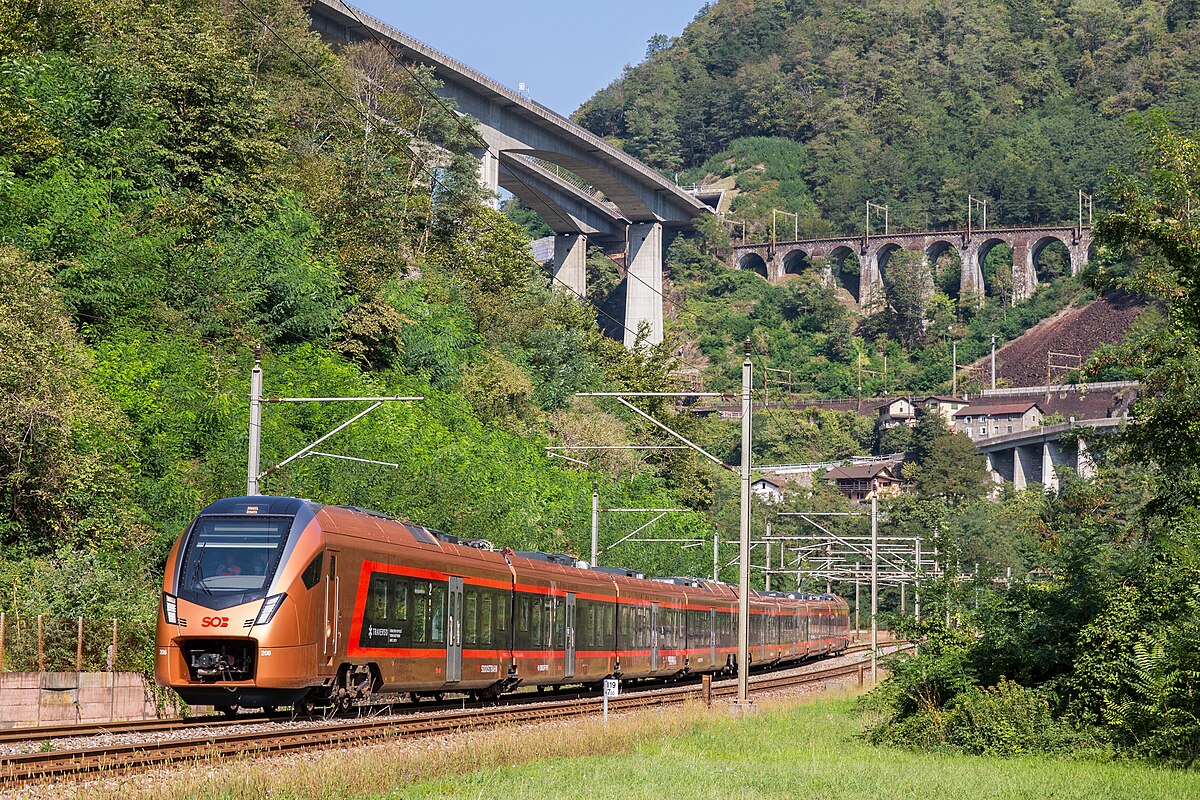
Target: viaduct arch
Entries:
(776, 261)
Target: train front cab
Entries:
(241, 595)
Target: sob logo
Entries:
(214, 622)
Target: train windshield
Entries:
(231, 560)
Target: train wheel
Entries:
(229, 710)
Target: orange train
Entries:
(275, 601)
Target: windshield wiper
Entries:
(198, 581)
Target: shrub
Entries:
(1004, 720)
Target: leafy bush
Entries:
(1005, 720)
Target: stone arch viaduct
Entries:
(868, 257)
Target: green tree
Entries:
(951, 470)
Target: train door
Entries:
(332, 608)
(454, 605)
(655, 638)
(569, 655)
(712, 636)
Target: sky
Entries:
(562, 50)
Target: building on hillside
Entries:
(864, 481)
(897, 412)
(768, 490)
(945, 405)
(988, 420)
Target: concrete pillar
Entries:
(489, 176)
(1084, 466)
(970, 281)
(570, 262)
(1022, 467)
(993, 469)
(1051, 455)
(643, 285)
(1024, 271)
(1079, 253)
(871, 294)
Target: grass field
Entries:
(795, 750)
(803, 752)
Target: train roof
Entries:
(558, 563)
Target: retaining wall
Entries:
(57, 698)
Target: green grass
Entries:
(808, 751)
(805, 751)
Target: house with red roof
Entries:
(988, 420)
(864, 481)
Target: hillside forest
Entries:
(816, 109)
(184, 180)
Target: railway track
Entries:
(119, 758)
(48, 733)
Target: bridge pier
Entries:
(1079, 250)
(489, 176)
(570, 262)
(1084, 466)
(872, 296)
(970, 281)
(1052, 456)
(643, 283)
(1024, 271)
(1025, 468)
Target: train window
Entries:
(560, 625)
(377, 598)
(523, 614)
(486, 623)
(312, 573)
(535, 622)
(437, 614)
(470, 620)
(400, 599)
(420, 611)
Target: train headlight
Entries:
(269, 607)
(170, 609)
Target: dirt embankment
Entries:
(1078, 331)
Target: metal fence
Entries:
(41, 643)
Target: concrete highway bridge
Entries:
(585, 189)
(1032, 456)
(867, 257)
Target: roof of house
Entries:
(861, 471)
(992, 409)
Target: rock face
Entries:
(1079, 331)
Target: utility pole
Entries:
(917, 583)
(768, 544)
(595, 521)
(743, 652)
(716, 556)
(993, 361)
(954, 375)
(874, 589)
(253, 474)
(252, 460)
(857, 628)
